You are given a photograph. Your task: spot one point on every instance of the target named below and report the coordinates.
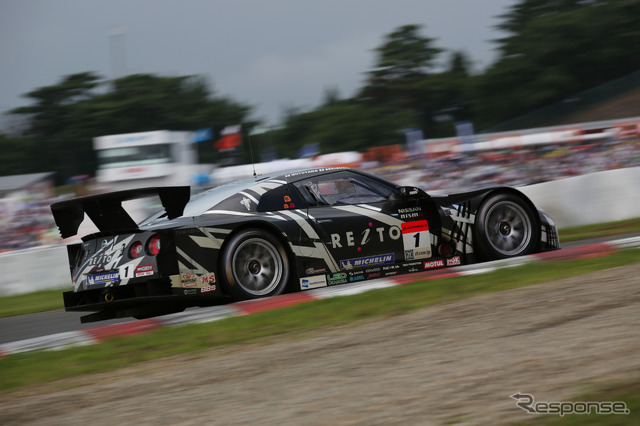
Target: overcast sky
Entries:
(271, 54)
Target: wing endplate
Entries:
(107, 213)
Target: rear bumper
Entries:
(114, 297)
(140, 300)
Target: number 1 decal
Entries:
(416, 240)
(126, 271)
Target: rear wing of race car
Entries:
(107, 213)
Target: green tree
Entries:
(56, 123)
(145, 102)
(20, 155)
(554, 49)
(64, 118)
(404, 80)
(402, 63)
(524, 12)
(339, 126)
(445, 96)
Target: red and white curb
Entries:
(102, 333)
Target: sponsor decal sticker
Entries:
(417, 253)
(208, 278)
(103, 278)
(379, 234)
(246, 202)
(416, 240)
(372, 272)
(337, 278)
(411, 267)
(188, 279)
(356, 278)
(434, 264)
(190, 231)
(313, 282)
(100, 259)
(307, 172)
(367, 261)
(415, 226)
(410, 212)
(144, 270)
(408, 255)
(208, 288)
(455, 260)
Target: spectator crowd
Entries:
(462, 172)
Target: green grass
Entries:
(631, 226)
(31, 303)
(290, 322)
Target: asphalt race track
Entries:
(57, 329)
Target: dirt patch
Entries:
(454, 362)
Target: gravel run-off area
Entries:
(452, 363)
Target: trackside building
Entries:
(156, 158)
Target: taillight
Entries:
(446, 249)
(153, 245)
(135, 250)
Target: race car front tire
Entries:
(506, 226)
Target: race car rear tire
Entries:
(506, 226)
(255, 264)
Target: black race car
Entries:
(282, 232)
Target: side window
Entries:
(343, 189)
(281, 198)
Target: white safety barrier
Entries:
(582, 200)
(39, 268)
(599, 197)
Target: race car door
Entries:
(363, 223)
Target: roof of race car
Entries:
(281, 177)
(290, 175)
(204, 201)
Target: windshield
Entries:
(343, 188)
